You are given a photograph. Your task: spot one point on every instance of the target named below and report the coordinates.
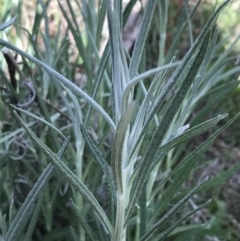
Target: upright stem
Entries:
(120, 230)
(79, 199)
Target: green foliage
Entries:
(122, 143)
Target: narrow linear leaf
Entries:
(22, 223)
(185, 136)
(97, 154)
(119, 150)
(185, 217)
(78, 91)
(193, 92)
(98, 157)
(203, 32)
(101, 234)
(73, 234)
(179, 97)
(77, 37)
(143, 211)
(185, 167)
(8, 23)
(182, 67)
(171, 212)
(118, 8)
(141, 38)
(31, 40)
(46, 37)
(144, 75)
(69, 175)
(11, 211)
(99, 75)
(39, 119)
(42, 105)
(220, 178)
(117, 81)
(218, 94)
(3, 225)
(153, 97)
(84, 223)
(34, 219)
(180, 29)
(178, 76)
(193, 132)
(100, 17)
(106, 54)
(16, 226)
(128, 10)
(159, 134)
